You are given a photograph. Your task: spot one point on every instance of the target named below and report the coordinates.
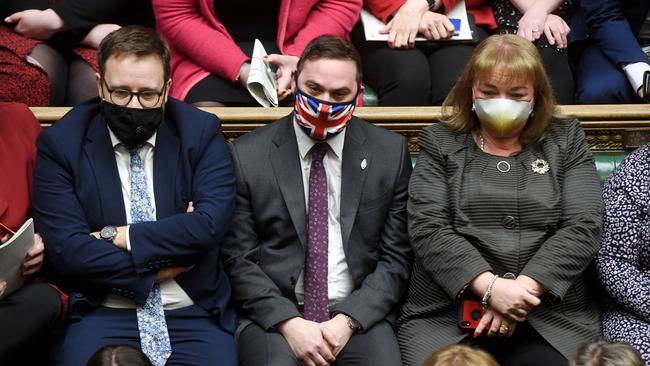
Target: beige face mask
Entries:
(502, 116)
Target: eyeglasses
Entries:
(147, 98)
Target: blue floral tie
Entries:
(154, 338)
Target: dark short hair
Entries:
(118, 355)
(330, 47)
(137, 41)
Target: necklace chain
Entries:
(481, 141)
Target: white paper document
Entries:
(457, 16)
(261, 80)
(12, 254)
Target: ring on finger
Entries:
(503, 329)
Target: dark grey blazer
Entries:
(264, 252)
(467, 217)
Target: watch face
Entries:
(108, 232)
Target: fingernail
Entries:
(476, 335)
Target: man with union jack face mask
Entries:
(318, 253)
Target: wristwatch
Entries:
(353, 324)
(108, 233)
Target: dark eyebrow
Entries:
(313, 84)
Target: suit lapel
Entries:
(354, 173)
(285, 160)
(101, 159)
(165, 162)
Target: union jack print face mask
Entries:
(321, 119)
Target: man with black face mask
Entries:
(133, 193)
(319, 257)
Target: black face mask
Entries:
(132, 126)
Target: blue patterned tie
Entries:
(154, 338)
(316, 300)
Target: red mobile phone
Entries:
(470, 314)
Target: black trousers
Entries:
(526, 347)
(28, 318)
(376, 346)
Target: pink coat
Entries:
(201, 45)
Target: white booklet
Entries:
(457, 15)
(12, 254)
(261, 80)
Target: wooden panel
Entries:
(608, 127)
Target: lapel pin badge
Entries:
(540, 166)
(364, 164)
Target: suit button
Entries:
(508, 222)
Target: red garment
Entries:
(201, 45)
(17, 154)
(483, 16)
(21, 81)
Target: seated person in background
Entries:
(505, 208)
(133, 193)
(29, 315)
(460, 355)
(211, 45)
(405, 72)
(318, 255)
(47, 48)
(610, 63)
(607, 354)
(545, 24)
(623, 261)
(118, 355)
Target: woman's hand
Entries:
(495, 324)
(436, 26)
(36, 24)
(33, 260)
(286, 68)
(512, 300)
(556, 31)
(404, 26)
(95, 36)
(531, 24)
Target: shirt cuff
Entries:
(128, 239)
(634, 73)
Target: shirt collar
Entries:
(305, 143)
(115, 141)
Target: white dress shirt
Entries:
(339, 281)
(173, 296)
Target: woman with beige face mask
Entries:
(504, 217)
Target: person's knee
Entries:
(47, 300)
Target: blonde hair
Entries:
(607, 354)
(460, 355)
(515, 57)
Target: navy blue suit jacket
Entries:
(77, 191)
(612, 25)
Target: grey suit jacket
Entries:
(467, 217)
(264, 252)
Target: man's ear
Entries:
(98, 81)
(167, 88)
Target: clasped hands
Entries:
(413, 18)
(537, 21)
(510, 303)
(316, 344)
